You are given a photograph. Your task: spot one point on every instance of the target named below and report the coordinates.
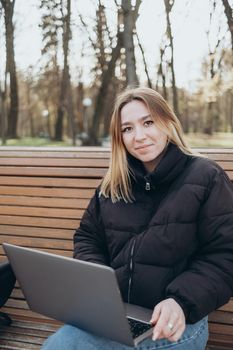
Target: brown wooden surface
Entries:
(43, 194)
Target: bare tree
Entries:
(149, 83)
(128, 42)
(8, 7)
(48, 84)
(229, 14)
(162, 70)
(101, 97)
(65, 102)
(168, 7)
(214, 65)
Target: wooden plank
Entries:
(47, 192)
(63, 252)
(221, 156)
(43, 202)
(59, 150)
(27, 314)
(39, 222)
(15, 345)
(221, 329)
(49, 182)
(45, 327)
(36, 232)
(226, 165)
(57, 172)
(228, 307)
(223, 317)
(55, 162)
(66, 172)
(40, 212)
(38, 242)
(221, 339)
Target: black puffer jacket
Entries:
(175, 239)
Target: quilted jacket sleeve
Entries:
(207, 284)
(89, 238)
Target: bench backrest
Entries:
(43, 194)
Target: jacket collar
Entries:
(167, 170)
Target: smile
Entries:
(142, 147)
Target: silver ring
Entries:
(170, 326)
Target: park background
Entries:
(62, 62)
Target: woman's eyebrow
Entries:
(140, 119)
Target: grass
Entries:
(37, 142)
(217, 140)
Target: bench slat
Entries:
(43, 202)
(38, 222)
(49, 182)
(47, 192)
(36, 232)
(55, 162)
(57, 172)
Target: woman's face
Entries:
(141, 137)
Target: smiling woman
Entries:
(162, 219)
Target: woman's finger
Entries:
(161, 324)
(177, 334)
(155, 315)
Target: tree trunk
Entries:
(129, 23)
(144, 61)
(168, 7)
(65, 82)
(231, 112)
(3, 116)
(162, 74)
(11, 68)
(228, 12)
(100, 100)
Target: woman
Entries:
(163, 219)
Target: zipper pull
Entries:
(147, 186)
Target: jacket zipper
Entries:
(131, 269)
(147, 186)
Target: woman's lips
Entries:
(142, 147)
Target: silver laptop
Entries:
(78, 293)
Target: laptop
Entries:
(78, 293)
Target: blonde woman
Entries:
(162, 218)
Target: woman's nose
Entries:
(139, 134)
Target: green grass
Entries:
(217, 140)
(37, 142)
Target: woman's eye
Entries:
(127, 129)
(148, 122)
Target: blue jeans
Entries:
(71, 338)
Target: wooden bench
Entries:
(43, 193)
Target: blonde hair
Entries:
(116, 183)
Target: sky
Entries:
(190, 21)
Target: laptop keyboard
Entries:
(137, 327)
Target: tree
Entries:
(65, 102)
(49, 80)
(168, 7)
(229, 14)
(124, 25)
(129, 20)
(8, 7)
(162, 70)
(56, 25)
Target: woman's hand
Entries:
(169, 320)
